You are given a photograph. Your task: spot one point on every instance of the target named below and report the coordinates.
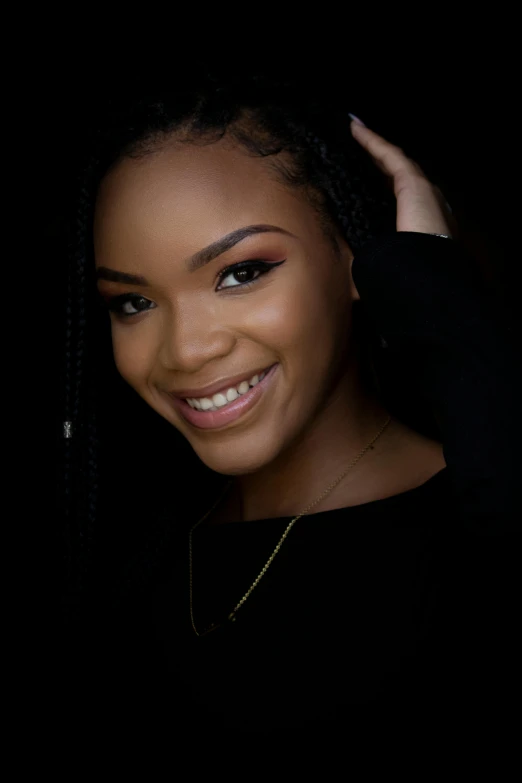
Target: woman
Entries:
(236, 229)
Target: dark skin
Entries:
(154, 213)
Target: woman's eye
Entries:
(128, 305)
(245, 274)
(239, 276)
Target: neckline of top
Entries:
(398, 499)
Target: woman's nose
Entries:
(192, 339)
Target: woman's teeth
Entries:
(223, 398)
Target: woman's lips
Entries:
(213, 419)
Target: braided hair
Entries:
(265, 117)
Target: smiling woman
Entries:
(244, 245)
(203, 327)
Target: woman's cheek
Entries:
(278, 318)
(299, 316)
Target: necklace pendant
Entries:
(214, 626)
(211, 628)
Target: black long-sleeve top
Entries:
(401, 609)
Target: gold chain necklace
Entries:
(231, 617)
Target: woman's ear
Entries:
(345, 257)
(354, 293)
(353, 289)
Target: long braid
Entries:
(82, 434)
(91, 503)
(68, 474)
(81, 450)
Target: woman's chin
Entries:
(237, 467)
(238, 461)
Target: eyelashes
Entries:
(117, 304)
(246, 266)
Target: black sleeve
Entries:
(425, 299)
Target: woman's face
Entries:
(159, 218)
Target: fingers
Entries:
(390, 159)
(420, 205)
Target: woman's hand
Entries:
(421, 206)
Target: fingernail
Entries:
(356, 119)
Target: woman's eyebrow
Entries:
(200, 258)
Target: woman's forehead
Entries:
(180, 172)
(203, 192)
